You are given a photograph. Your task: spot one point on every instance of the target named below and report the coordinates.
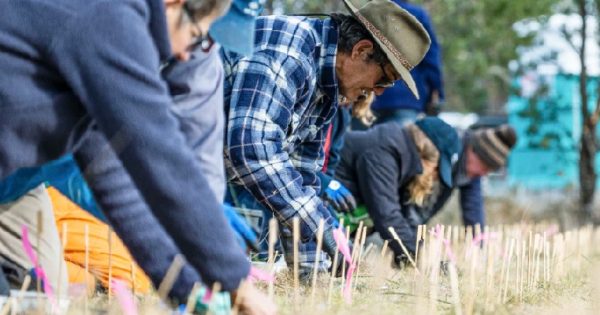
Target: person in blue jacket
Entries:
(94, 77)
(404, 175)
(398, 103)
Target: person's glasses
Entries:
(385, 81)
(205, 42)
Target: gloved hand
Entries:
(339, 197)
(330, 247)
(243, 232)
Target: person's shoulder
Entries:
(292, 36)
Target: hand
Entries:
(330, 247)
(434, 106)
(339, 197)
(243, 232)
(252, 302)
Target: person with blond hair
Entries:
(390, 168)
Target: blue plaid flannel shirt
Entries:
(277, 102)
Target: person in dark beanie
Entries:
(379, 167)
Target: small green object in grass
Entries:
(352, 219)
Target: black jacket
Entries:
(377, 165)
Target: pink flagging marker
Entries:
(486, 236)
(437, 233)
(39, 271)
(125, 298)
(257, 274)
(342, 243)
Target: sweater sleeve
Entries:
(151, 246)
(109, 59)
(471, 202)
(378, 174)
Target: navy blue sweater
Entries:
(68, 64)
(427, 74)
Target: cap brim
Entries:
(404, 73)
(235, 32)
(445, 170)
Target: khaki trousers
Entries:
(24, 211)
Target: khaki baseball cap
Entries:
(400, 35)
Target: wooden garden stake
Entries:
(61, 259)
(192, 299)
(510, 254)
(393, 232)
(172, 273)
(273, 234)
(419, 235)
(317, 256)
(384, 248)
(296, 239)
(109, 265)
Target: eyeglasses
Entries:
(385, 81)
(205, 42)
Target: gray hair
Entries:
(351, 31)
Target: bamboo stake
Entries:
(109, 265)
(393, 232)
(360, 254)
(296, 239)
(171, 276)
(334, 268)
(40, 228)
(356, 250)
(133, 282)
(317, 256)
(86, 265)
(12, 302)
(273, 233)
(511, 250)
(192, 298)
(61, 260)
(384, 248)
(419, 235)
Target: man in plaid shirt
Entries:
(278, 100)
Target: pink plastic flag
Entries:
(125, 298)
(39, 271)
(437, 233)
(257, 274)
(342, 243)
(484, 237)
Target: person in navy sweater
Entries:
(398, 103)
(82, 70)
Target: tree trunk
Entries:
(587, 148)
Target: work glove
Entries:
(243, 232)
(330, 247)
(339, 197)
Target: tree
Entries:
(478, 42)
(588, 146)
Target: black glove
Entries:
(330, 246)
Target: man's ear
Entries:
(362, 49)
